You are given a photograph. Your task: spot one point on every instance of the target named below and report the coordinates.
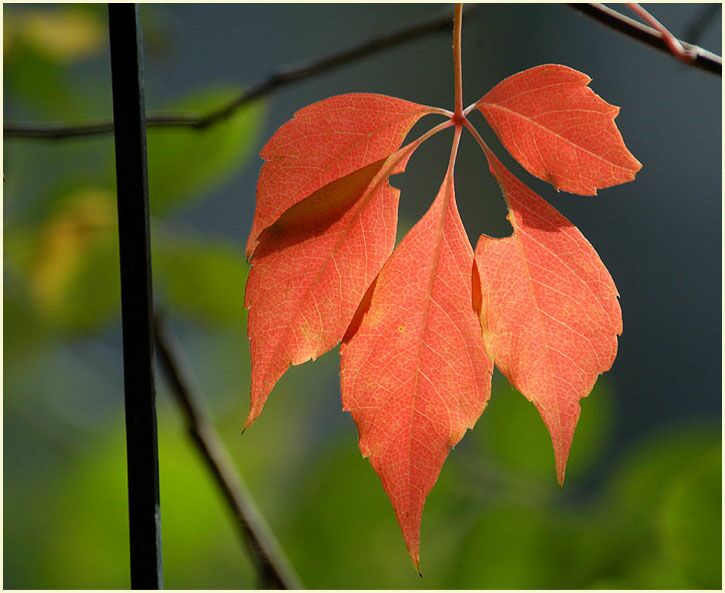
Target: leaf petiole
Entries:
(470, 108)
(418, 141)
(676, 48)
(457, 66)
(441, 111)
(454, 151)
(474, 132)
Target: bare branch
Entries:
(273, 569)
(673, 44)
(702, 58)
(280, 79)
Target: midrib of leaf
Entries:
(424, 329)
(529, 277)
(448, 194)
(550, 131)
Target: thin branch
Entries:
(277, 80)
(273, 569)
(703, 59)
(673, 44)
(457, 67)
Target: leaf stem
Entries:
(457, 66)
(454, 149)
(432, 132)
(441, 111)
(676, 48)
(470, 108)
(474, 132)
(401, 153)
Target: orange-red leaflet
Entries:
(414, 373)
(559, 129)
(323, 143)
(313, 263)
(549, 309)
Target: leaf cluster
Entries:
(422, 323)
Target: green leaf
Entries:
(522, 547)
(691, 522)
(640, 503)
(62, 34)
(187, 163)
(38, 81)
(201, 545)
(23, 331)
(517, 437)
(640, 484)
(203, 279)
(69, 264)
(40, 45)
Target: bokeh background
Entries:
(642, 503)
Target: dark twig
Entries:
(273, 569)
(702, 58)
(281, 78)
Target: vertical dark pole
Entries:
(136, 296)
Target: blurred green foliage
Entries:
(38, 46)
(201, 278)
(520, 440)
(185, 163)
(497, 527)
(496, 519)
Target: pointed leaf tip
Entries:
(549, 311)
(414, 373)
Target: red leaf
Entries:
(323, 143)
(325, 222)
(312, 268)
(559, 129)
(414, 373)
(549, 309)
